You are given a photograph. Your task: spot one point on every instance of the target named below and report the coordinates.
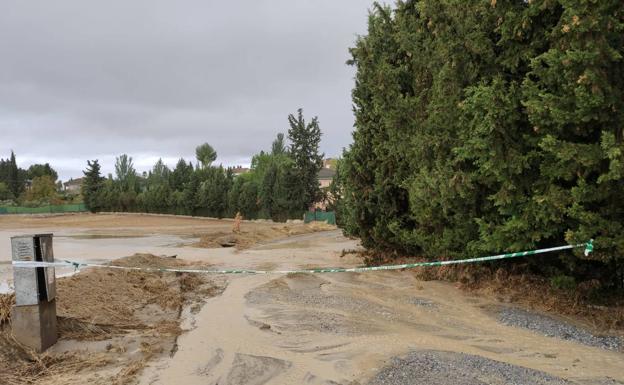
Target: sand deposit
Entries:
(346, 328)
(111, 322)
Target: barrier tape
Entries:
(589, 247)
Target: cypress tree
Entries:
(305, 139)
(574, 98)
(92, 186)
(488, 126)
(278, 147)
(13, 177)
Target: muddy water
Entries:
(316, 329)
(344, 327)
(83, 246)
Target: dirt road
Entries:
(344, 328)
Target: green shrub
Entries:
(563, 282)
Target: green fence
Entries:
(322, 216)
(49, 209)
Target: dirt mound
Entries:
(131, 310)
(251, 235)
(112, 297)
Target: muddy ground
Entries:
(386, 327)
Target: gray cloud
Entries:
(82, 80)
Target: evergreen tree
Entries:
(92, 186)
(281, 191)
(212, 193)
(181, 174)
(574, 98)
(278, 147)
(14, 181)
(243, 197)
(190, 193)
(157, 194)
(5, 193)
(304, 150)
(488, 126)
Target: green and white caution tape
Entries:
(589, 247)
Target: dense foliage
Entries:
(280, 185)
(485, 126)
(12, 178)
(32, 187)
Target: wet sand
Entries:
(346, 327)
(339, 328)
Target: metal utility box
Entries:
(34, 313)
(33, 285)
(35, 325)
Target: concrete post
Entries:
(34, 314)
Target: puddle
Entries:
(100, 236)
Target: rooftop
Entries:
(73, 181)
(326, 173)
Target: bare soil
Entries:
(140, 222)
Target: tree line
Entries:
(485, 126)
(281, 184)
(41, 178)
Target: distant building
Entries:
(325, 177)
(73, 185)
(239, 170)
(330, 163)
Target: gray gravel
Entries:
(551, 327)
(423, 302)
(448, 368)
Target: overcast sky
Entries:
(94, 79)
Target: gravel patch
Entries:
(448, 368)
(423, 302)
(551, 327)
